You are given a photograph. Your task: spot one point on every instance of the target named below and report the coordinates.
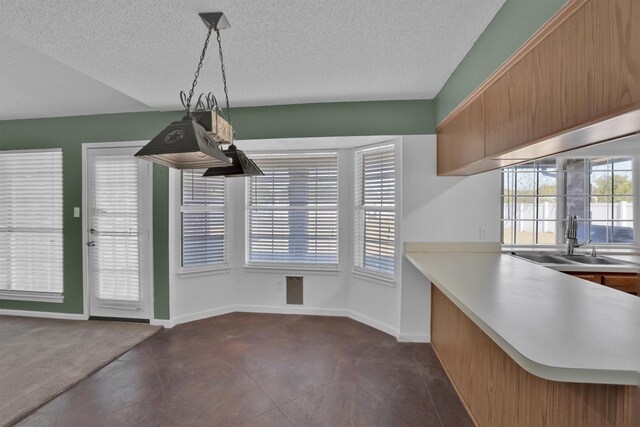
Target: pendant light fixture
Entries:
(185, 144)
(241, 165)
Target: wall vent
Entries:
(294, 290)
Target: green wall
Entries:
(514, 23)
(68, 133)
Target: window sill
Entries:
(52, 297)
(257, 268)
(185, 273)
(375, 278)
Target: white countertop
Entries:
(555, 326)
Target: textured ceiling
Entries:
(276, 51)
(33, 84)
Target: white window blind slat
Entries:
(375, 246)
(116, 217)
(293, 209)
(203, 220)
(31, 251)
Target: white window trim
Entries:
(363, 273)
(307, 268)
(40, 296)
(371, 276)
(34, 296)
(612, 248)
(207, 270)
(280, 266)
(204, 271)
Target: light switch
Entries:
(76, 212)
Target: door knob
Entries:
(92, 231)
(91, 243)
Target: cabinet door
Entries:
(461, 140)
(622, 282)
(585, 70)
(596, 278)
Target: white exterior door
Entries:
(118, 233)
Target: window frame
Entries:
(34, 295)
(358, 270)
(307, 267)
(561, 196)
(558, 198)
(206, 268)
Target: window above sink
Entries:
(538, 196)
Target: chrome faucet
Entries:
(571, 234)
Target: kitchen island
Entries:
(527, 345)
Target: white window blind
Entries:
(31, 221)
(375, 182)
(116, 204)
(292, 212)
(203, 220)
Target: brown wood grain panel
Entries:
(498, 392)
(549, 27)
(587, 68)
(462, 141)
(596, 278)
(623, 282)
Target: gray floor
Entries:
(264, 370)
(43, 357)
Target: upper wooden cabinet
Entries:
(580, 70)
(461, 142)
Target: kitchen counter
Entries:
(553, 325)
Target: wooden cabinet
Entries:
(583, 71)
(578, 71)
(625, 282)
(461, 142)
(496, 391)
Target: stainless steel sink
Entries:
(598, 260)
(542, 258)
(546, 258)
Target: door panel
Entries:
(119, 230)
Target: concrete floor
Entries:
(264, 370)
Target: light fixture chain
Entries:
(197, 74)
(224, 76)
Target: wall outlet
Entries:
(76, 212)
(279, 285)
(482, 233)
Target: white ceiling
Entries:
(74, 57)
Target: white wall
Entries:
(432, 209)
(439, 209)
(242, 288)
(193, 297)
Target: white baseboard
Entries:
(162, 322)
(202, 315)
(421, 338)
(291, 310)
(313, 311)
(45, 314)
(373, 323)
